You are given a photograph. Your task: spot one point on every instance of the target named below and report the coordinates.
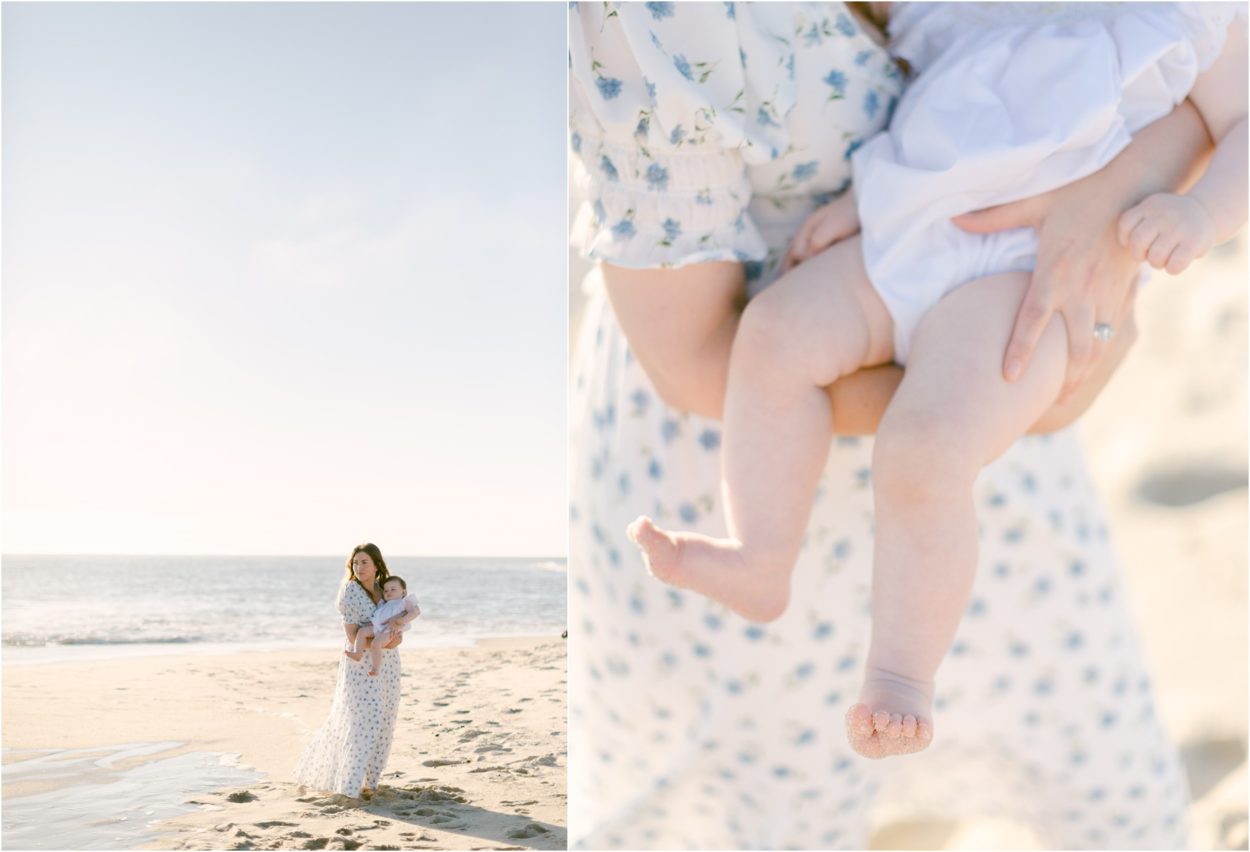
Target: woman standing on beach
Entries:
(707, 132)
(349, 751)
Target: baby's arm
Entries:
(410, 613)
(1171, 231)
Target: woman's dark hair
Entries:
(378, 562)
(395, 578)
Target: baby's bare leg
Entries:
(821, 321)
(363, 635)
(375, 650)
(952, 415)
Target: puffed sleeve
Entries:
(669, 103)
(353, 603)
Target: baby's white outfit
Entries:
(1010, 100)
(389, 609)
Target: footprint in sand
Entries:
(532, 829)
(1185, 485)
(1208, 762)
(442, 762)
(490, 748)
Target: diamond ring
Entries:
(1103, 332)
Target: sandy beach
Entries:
(478, 761)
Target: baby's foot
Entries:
(373, 672)
(892, 716)
(355, 655)
(714, 567)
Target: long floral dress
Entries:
(349, 751)
(708, 131)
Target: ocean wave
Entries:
(549, 565)
(45, 641)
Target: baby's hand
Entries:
(826, 225)
(1167, 231)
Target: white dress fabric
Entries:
(692, 728)
(1008, 101)
(389, 609)
(349, 751)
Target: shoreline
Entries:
(34, 655)
(481, 740)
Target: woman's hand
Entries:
(395, 642)
(1083, 273)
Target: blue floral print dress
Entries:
(349, 751)
(708, 131)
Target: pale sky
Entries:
(280, 278)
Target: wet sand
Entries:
(478, 760)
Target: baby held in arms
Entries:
(392, 616)
(1008, 101)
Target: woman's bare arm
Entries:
(683, 343)
(697, 384)
(680, 323)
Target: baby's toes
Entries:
(881, 721)
(859, 721)
(909, 726)
(924, 731)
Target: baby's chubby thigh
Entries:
(818, 322)
(953, 392)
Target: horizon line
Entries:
(301, 555)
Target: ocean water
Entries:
(78, 607)
(101, 806)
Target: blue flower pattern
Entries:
(1044, 647)
(660, 11)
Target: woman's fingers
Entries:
(1017, 214)
(1079, 319)
(1038, 306)
(1034, 314)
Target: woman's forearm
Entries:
(693, 377)
(680, 323)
